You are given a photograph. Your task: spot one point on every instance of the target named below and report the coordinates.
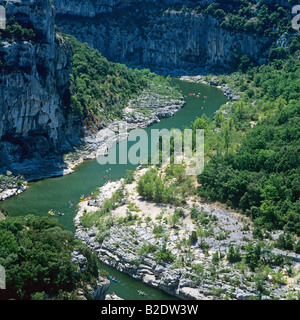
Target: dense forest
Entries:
(36, 253)
(251, 149)
(256, 17)
(257, 170)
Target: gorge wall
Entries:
(33, 80)
(148, 33)
(34, 74)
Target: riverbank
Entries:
(203, 75)
(199, 268)
(230, 93)
(11, 185)
(149, 108)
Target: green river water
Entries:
(55, 193)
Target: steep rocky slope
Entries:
(150, 33)
(33, 79)
(49, 92)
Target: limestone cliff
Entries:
(33, 80)
(148, 33)
(37, 124)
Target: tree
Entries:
(129, 176)
(245, 63)
(219, 119)
(253, 255)
(36, 254)
(226, 136)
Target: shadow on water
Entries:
(127, 287)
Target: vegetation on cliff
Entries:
(256, 17)
(252, 161)
(191, 249)
(100, 89)
(14, 31)
(251, 16)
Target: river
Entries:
(55, 193)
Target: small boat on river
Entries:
(113, 278)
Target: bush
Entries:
(194, 213)
(234, 254)
(153, 187)
(297, 247)
(14, 31)
(164, 255)
(253, 256)
(193, 238)
(103, 273)
(285, 241)
(129, 176)
(258, 233)
(146, 249)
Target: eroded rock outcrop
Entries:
(194, 271)
(33, 82)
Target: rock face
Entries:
(87, 8)
(138, 32)
(33, 85)
(98, 290)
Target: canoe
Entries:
(113, 279)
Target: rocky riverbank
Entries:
(189, 258)
(149, 108)
(11, 185)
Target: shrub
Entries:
(193, 238)
(164, 255)
(146, 249)
(234, 254)
(129, 176)
(285, 241)
(194, 213)
(253, 255)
